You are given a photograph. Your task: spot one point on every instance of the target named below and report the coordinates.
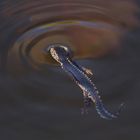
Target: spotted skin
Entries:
(80, 75)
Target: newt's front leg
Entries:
(87, 71)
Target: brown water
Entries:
(38, 100)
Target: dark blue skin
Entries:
(63, 55)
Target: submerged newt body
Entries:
(81, 76)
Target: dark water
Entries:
(37, 99)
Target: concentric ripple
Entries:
(92, 29)
(36, 96)
(29, 48)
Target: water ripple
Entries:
(92, 30)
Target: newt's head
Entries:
(59, 52)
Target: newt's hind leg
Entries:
(87, 104)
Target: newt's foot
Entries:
(84, 111)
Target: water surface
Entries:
(38, 100)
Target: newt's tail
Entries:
(104, 113)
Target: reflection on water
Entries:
(91, 29)
(39, 100)
(29, 47)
